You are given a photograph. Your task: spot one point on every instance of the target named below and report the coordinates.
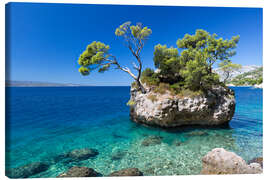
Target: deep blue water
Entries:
(43, 122)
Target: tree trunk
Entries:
(141, 88)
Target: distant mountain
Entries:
(243, 70)
(36, 84)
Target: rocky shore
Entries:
(220, 161)
(217, 161)
(215, 107)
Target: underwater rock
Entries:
(257, 160)
(198, 133)
(220, 161)
(27, 170)
(118, 155)
(152, 140)
(82, 154)
(215, 107)
(177, 143)
(127, 172)
(79, 172)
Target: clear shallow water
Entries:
(48, 121)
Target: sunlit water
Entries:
(43, 123)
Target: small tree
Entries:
(228, 68)
(97, 56)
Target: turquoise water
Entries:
(43, 123)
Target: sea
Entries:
(45, 122)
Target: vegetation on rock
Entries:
(189, 66)
(185, 67)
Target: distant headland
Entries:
(10, 83)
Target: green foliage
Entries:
(97, 56)
(137, 32)
(186, 69)
(130, 103)
(192, 64)
(212, 49)
(150, 77)
(167, 60)
(94, 57)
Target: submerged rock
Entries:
(82, 154)
(79, 172)
(118, 155)
(198, 133)
(220, 161)
(27, 170)
(215, 107)
(127, 172)
(152, 140)
(257, 160)
(177, 143)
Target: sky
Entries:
(44, 41)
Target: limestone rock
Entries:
(79, 172)
(27, 170)
(215, 107)
(220, 161)
(127, 172)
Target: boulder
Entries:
(118, 155)
(82, 154)
(79, 172)
(215, 107)
(256, 160)
(127, 172)
(198, 133)
(152, 140)
(27, 170)
(220, 161)
(177, 143)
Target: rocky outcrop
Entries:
(79, 172)
(27, 170)
(127, 172)
(220, 161)
(215, 107)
